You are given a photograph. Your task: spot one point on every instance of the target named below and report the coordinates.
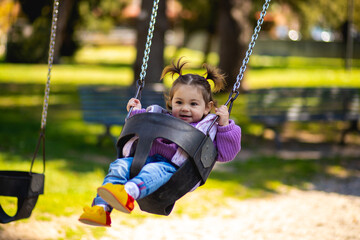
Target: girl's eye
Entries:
(178, 102)
(194, 104)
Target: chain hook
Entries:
(139, 86)
(232, 96)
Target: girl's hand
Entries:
(223, 114)
(133, 102)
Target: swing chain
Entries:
(141, 81)
(50, 62)
(251, 46)
(235, 91)
(47, 87)
(148, 42)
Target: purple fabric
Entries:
(227, 142)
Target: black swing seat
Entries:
(26, 186)
(199, 147)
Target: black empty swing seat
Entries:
(26, 187)
(199, 147)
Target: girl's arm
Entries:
(228, 141)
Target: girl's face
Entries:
(188, 104)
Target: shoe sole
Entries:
(111, 199)
(92, 222)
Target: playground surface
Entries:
(304, 215)
(328, 210)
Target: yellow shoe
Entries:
(116, 196)
(96, 216)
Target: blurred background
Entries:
(291, 28)
(302, 45)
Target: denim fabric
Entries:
(155, 173)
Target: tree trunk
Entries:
(211, 28)
(234, 32)
(156, 57)
(64, 31)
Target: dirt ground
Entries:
(297, 215)
(330, 210)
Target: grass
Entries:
(112, 65)
(65, 74)
(301, 72)
(76, 165)
(303, 78)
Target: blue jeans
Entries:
(155, 173)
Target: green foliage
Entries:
(199, 15)
(29, 49)
(326, 14)
(30, 33)
(100, 15)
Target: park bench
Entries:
(106, 105)
(276, 106)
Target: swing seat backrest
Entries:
(26, 187)
(199, 147)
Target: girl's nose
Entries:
(185, 108)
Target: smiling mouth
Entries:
(185, 116)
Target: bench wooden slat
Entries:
(275, 106)
(289, 104)
(107, 104)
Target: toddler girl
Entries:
(191, 100)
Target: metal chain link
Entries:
(148, 42)
(50, 62)
(251, 46)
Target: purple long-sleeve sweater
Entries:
(227, 142)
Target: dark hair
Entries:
(212, 74)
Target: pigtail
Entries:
(216, 76)
(174, 68)
(195, 80)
